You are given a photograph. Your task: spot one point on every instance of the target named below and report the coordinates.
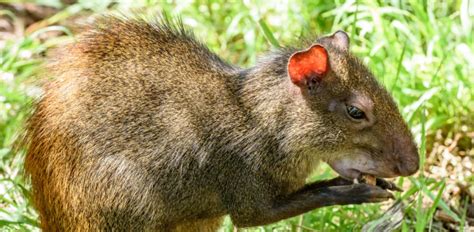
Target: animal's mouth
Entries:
(361, 166)
(365, 178)
(363, 172)
(360, 175)
(357, 176)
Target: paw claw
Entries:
(384, 184)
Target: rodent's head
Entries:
(369, 136)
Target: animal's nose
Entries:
(409, 163)
(407, 168)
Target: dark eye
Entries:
(355, 112)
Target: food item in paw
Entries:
(369, 179)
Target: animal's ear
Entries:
(307, 66)
(339, 39)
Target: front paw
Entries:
(385, 184)
(360, 193)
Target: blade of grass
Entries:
(442, 204)
(355, 19)
(432, 209)
(399, 67)
(268, 34)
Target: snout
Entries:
(407, 169)
(409, 162)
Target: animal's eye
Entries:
(355, 112)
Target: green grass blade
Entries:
(268, 33)
(399, 67)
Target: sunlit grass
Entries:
(422, 51)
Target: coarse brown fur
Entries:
(144, 129)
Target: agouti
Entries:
(142, 128)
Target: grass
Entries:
(423, 51)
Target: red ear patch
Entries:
(308, 64)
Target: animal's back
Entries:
(120, 127)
